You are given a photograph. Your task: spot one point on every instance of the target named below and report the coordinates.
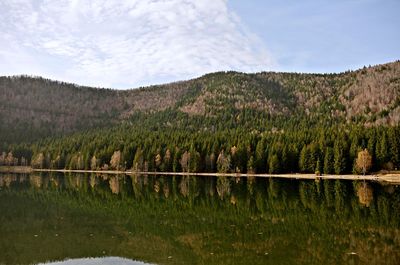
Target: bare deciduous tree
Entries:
(185, 160)
(115, 160)
(93, 163)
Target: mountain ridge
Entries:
(33, 108)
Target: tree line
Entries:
(318, 150)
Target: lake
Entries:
(92, 219)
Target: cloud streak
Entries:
(125, 43)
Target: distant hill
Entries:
(31, 108)
(225, 122)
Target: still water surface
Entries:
(93, 219)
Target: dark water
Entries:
(196, 220)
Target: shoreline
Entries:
(393, 178)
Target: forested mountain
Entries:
(226, 121)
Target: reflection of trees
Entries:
(8, 179)
(156, 186)
(54, 181)
(137, 184)
(166, 189)
(188, 187)
(260, 201)
(184, 186)
(271, 197)
(233, 200)
(114, 184)
(328, 192)
(274, 214)
(22, 178)
(209, 187)
(273, 188)
(76, 181)
(364, 193)
(36, 180)
(223, 187)
(340, 197)
(93, 181)
(309, 195)
(384, 209)
(250, 184)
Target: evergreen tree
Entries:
(304, 161)
(318, 168)
(382, 150)
(250, 165)
(394, 143)
(329, 161)
(260, 157)
(339, 157)
(274, 165)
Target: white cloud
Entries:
(125, 43)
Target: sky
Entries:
(133, 43)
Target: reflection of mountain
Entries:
(182, 220)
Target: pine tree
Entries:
(304, 160)
(250, 165)
(138, 160)
(274, 165)
(318, 168)
(339, 158)
(382, 150)
(260, 156)
(328, 161)
(394, 143)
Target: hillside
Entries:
(226, 122)
(31, 108)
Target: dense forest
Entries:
(221, 122)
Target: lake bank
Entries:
(16, 169)
(391, 177)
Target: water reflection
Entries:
(365, 193)
(197, 220)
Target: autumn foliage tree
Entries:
(363, 161)
(115, 161)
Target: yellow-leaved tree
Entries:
(364, 161)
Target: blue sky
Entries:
(131, 43)
(325, 36)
